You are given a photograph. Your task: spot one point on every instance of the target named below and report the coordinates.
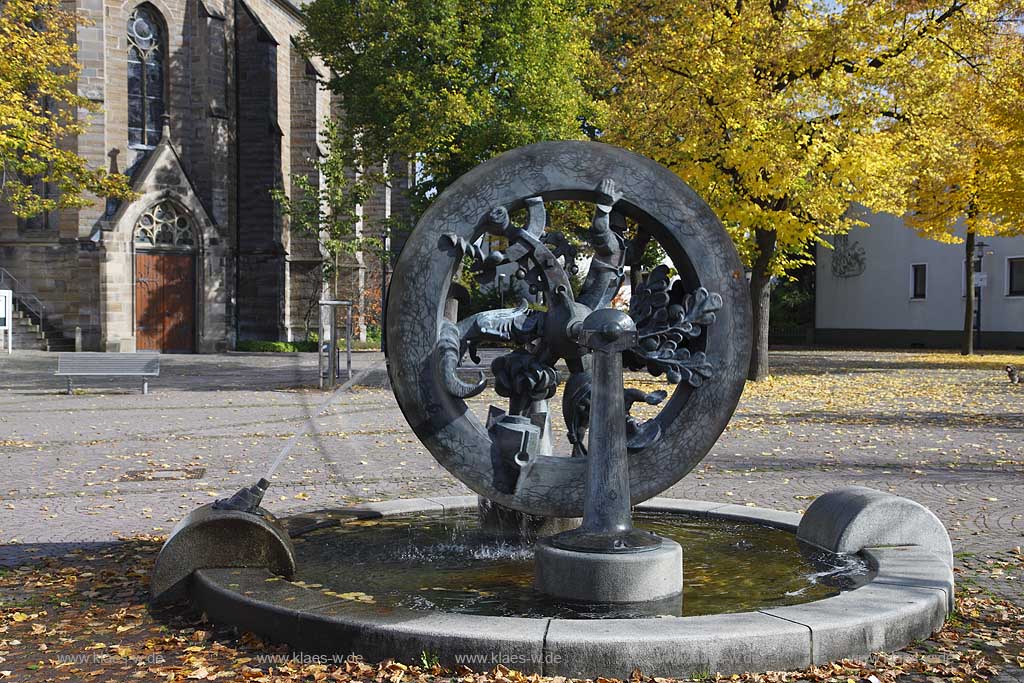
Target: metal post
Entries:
(320, 344)
(385, 267)
(980, 248)
(329, 341)
(977, 324)
(607, 518)
(606, 506)
(348, 344)
(332, 348)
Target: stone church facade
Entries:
(207, 105)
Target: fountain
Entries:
(512, 575)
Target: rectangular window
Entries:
(918, 281)
(1015, 276)
(46, 220)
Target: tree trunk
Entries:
(967, 343)
(760, 300)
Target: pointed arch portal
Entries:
(165, 282)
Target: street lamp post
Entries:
(979, 284)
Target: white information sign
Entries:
(981, 279)
(6, 311)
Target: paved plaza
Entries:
(109, 462)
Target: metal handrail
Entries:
(27, 299)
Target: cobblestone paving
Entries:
(110, 462)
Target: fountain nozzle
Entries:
(246, 499)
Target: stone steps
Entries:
(28, 334)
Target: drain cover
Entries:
(164, 474)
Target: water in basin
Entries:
(432, 561)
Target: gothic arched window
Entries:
(165, 226)
(145, 77)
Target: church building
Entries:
(206, 105)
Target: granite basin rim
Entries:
(908, 606)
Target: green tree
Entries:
(39, 112)
(451, 83)
(780, 113)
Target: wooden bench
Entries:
(143, 364)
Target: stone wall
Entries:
(48, 270)
(261, 252)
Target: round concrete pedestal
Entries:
(609, 577)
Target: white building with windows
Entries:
(886, 286)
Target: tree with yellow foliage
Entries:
(968, 166)
(778, 112)
(39, 112)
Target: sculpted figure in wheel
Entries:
(649, 237)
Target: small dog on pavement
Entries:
(1014, 374)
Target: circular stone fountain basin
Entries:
(445, 561)
(365, 586)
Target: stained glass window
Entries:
(164, 225)
(145, 77)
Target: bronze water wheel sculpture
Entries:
(694, 330)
